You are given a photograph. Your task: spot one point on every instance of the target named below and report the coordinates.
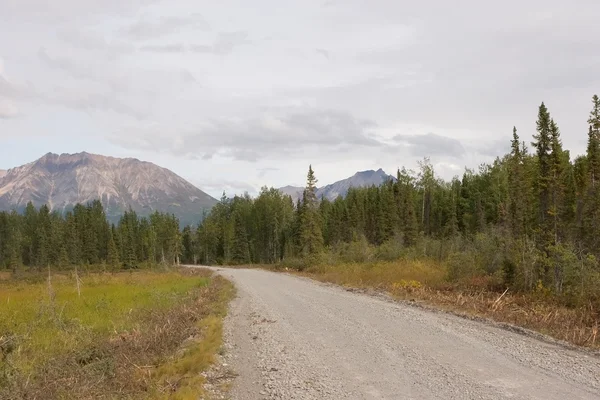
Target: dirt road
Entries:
(292, 338)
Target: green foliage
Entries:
(40, 238)
(525, 218)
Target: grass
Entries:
(113, 338)
(426, 282)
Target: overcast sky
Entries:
(233, 95)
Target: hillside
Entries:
(61, 181)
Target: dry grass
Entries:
(426, 282)
(111, 341)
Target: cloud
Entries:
(276, 133)
(224, 43)
(93, 42)
(166, 25)
(164, 48)
(156, 78)
(431, 144)
(264, 171)
(8, 109)
(230, 187)
(323, 52)
(9, 92)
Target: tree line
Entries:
(531, 218)
(40, 238)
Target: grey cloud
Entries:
(76, 70)
(224, 43)
(278, 132)
(164, 48)
(230, 187)
(262, 172)
(114, 80)
(166, 25)
(90, 101)
(492, 148)
(323, 52)
(431, 144)
(84, 40)
(188, 77)
(8, 109)
(64, 11)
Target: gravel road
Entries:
(293, 338)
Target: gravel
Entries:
(293, 338)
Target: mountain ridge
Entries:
(63, 180)
(340, 188)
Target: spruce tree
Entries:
(113, 253)
(543, 145)
(516, 183)
(311, 237)
(556, 184)
(240, 253)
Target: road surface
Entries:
(293, 338)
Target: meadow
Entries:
(138, 334)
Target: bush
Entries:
(462, 265)
(391, 250)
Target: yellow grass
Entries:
(425, 281)
(382, 275)
(115, 326)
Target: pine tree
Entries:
(240, 247)
(593, 157)
(113, 253)
(188, 245)
(556, 184)
(63, 260)
(517, 187)
(405, 199)
(311, 237)
(590, 209)
(543, 145)
(426, 182)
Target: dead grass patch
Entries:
(425, 281)
(115, 340)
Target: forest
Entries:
(83, 236)
(530, 220)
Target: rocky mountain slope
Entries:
(340, 188)
(61, 181)
(2, 173)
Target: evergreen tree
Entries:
(240, 247)
(517, 188)
(112, 253)
(311, 237)
(543, 144)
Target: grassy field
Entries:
(144, 334)
(426, 281)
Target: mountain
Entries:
(294, 191)
(340, 188)
(61, 181)
(2, 173)
(360, 179)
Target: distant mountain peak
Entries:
(62, 180)
(340, 188)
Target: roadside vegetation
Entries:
(516, 240)
(139, 334)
